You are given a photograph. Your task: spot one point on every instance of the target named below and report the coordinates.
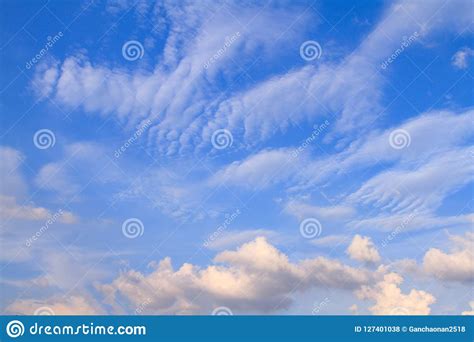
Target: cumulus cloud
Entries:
(389, 299)
(255, 277)
(455, 266)
(363, 249)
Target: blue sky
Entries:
(248, 157)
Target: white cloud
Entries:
(11, 210)
(461, 58)
(418, 189)
(362, 249)
(451, 130)
(389, 299)
(260, 170)
(254, 278)
(455, 266)
(175, 95)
